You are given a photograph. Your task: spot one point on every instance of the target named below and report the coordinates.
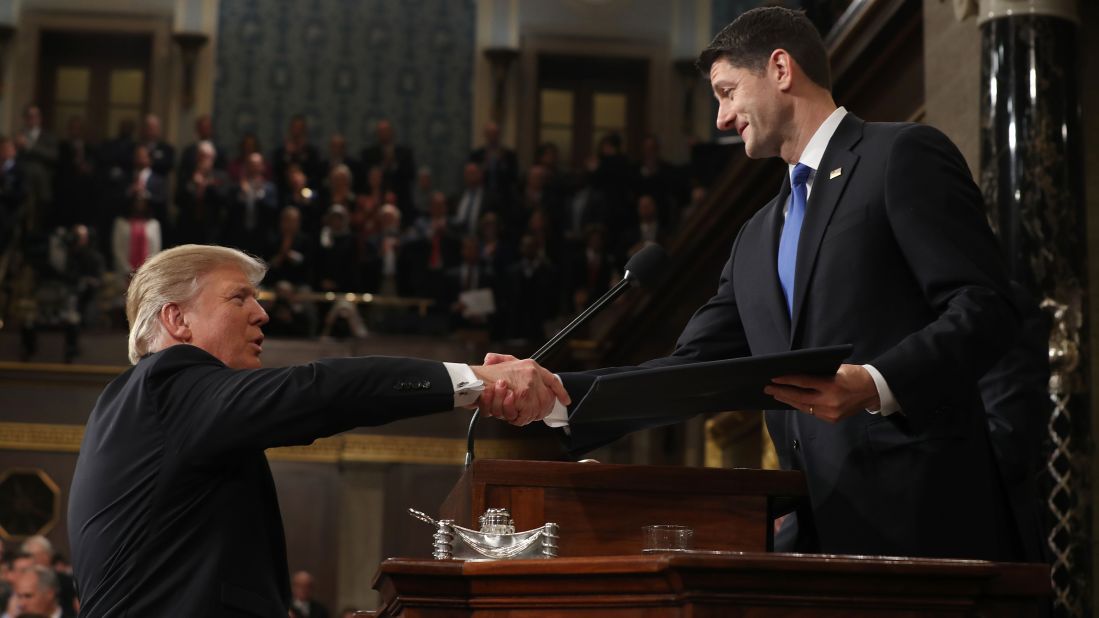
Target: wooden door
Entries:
(100, 77)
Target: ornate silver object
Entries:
(496, 540)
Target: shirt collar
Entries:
(814, 150)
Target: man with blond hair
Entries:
(173, 508)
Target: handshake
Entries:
(517, 391)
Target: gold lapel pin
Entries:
(836, 172)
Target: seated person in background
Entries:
(469, 277)
(309, 202)
(290, 252)
(36, 592)
(593, 270)
(248, 145)
(290, 316)
(147, 183)
(337, 258)
(41, 553)
(201, 198)
(337, 156)
(301, 586)
(339, 190)
(647, 231)
(68, 281)
(173, 510)
(531, 292)
(251, 211)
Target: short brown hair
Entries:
(750, 39)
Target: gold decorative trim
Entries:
(351, 448)
(80, 370)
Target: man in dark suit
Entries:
(397, 164)
(162, 155)
(877, 238)
(301, 586)
(500, 165)
(173, 510)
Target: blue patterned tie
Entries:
(791, 230)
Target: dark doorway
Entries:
(583, 98)
(103, 78)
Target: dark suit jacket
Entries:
(895, 258)
(1016, 397)
(173, 509)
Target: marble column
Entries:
(1032, 179)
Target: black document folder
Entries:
(665, 394)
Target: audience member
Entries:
(75, 180)
(396, 163)
(248, 144)
(301, 590)
(337, 156)
(200, 200)
(37, 148)
(425, 187)
(41, 552)
(135, 238)
(500, 165)
(299, 195)
(145, 183)
(251, 209)
(468, 286)
(473, 202)
(297, 150)
(162, 155)
(337, 259)
(204, 134)
(289, 254)
(531, 292)
(12, 191)
(36, 591)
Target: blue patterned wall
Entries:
(346, 64)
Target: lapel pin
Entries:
(836, 172)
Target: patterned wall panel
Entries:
(346, 64)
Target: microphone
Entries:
(644, 269)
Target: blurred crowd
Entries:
(36, 582)
(511, 249)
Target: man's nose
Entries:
(261, 316)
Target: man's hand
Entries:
(517, 391)
(830, 399)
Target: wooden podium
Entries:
(601, 508)
(601, 572)
(711, 585)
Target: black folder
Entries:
(667, 394)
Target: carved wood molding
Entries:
(346, 448)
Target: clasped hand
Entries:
(517, 391)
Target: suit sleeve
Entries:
(210, 410)
(935, 212)
(714, 332)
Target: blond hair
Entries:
(172, 277)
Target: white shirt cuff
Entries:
(467, 388)
(558, 418)
(886, 399)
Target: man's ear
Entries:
(780, 66)
(175, 323)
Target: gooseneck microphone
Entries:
(644, 269)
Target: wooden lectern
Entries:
(601, 508)
(601, 572)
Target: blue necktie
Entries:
(791, 230)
